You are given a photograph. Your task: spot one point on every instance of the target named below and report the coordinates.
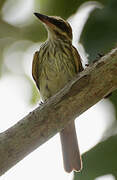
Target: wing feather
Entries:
(77, 60)
(35, 68)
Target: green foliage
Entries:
(2, 3)
(100, 160)
(100, 31)
(63, 8)
(113, 99)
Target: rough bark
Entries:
(89, 87)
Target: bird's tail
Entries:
(71, 155)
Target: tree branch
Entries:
(89, 87)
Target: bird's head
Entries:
(57, 27)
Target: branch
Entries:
(89, 87)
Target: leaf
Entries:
(100, 31)
(2, 3)
(63, 8)
(113, 99)
(100, 160)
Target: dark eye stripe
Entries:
(61, 25)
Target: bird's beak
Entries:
(45, 19)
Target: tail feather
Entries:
(71, 155)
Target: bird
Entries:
(53, 66)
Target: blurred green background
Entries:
(21, 34)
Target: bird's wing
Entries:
(35, 68)
(77, 60)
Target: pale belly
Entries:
(54, 77)
(57, 68)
